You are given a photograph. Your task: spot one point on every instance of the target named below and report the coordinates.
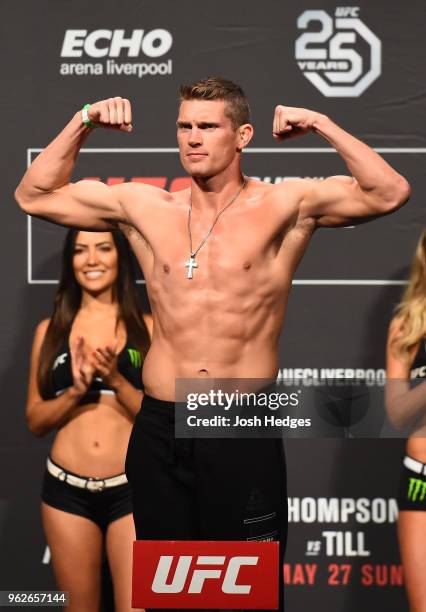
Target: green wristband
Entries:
(85, 117)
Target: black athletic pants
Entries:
(204, 489)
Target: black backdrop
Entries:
(364, 68)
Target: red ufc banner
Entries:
(190, 574)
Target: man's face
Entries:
(207, 140)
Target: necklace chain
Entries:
(215, 220)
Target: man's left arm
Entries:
(373, 189)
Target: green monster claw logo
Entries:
(416, 489)
(135, 358)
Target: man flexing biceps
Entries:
(218, 260)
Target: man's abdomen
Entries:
(165, 363)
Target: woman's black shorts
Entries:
(101, 507)
(412, 490)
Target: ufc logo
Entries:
(210, 575)
(229, 582)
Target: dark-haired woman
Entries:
(406, 404)
(85, 383)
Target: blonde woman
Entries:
(406, 405)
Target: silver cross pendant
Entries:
(191, 264)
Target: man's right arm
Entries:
(45, 190)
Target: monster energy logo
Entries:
(416, 489)
(135, 358)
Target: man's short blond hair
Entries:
(218, 88)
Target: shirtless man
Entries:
(218, 305)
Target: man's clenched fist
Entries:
(114, 113)
(290, 122)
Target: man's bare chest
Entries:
(227, 248)
(245, 238)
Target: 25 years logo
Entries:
(343, 57)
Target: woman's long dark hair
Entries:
(68, 301)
